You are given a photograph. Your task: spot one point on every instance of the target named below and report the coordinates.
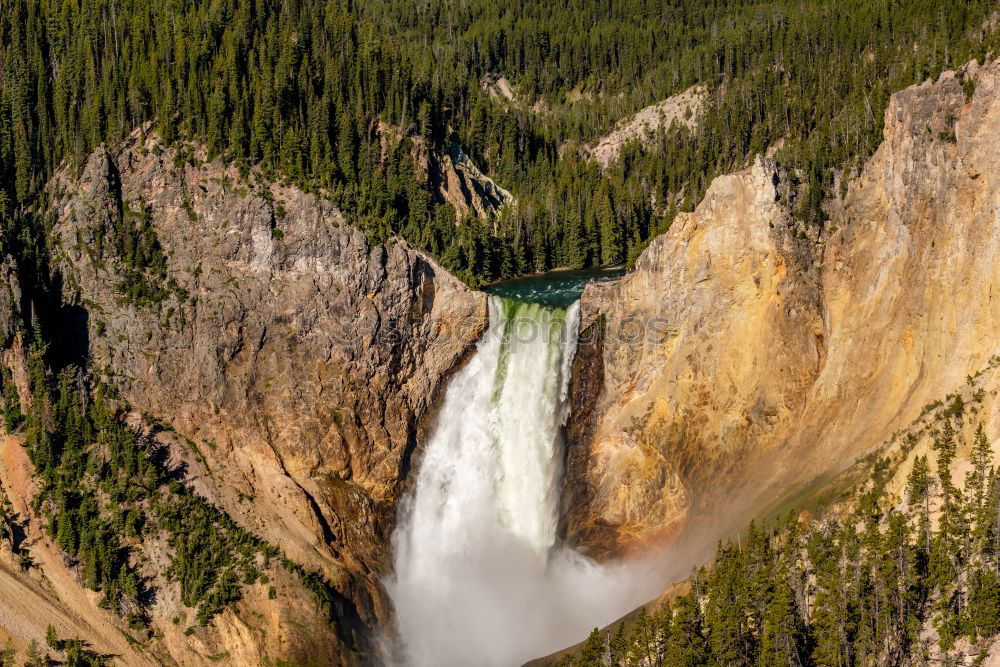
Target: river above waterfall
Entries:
(555, 289)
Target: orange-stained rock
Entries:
(770, 358)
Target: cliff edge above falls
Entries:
(766, 358)
(295, 362)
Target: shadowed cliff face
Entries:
(299, 360)
(452, 175)
(743, 359)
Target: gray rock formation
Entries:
(302, 362)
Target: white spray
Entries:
(479, 578)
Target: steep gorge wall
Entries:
(297, 363)
(766, 358)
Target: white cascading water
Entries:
(479, 578)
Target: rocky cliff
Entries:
(452, 175)
(685, 109)
(294, 364)
(745, 358)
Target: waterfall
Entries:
(479, 578)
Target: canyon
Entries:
(297, 369)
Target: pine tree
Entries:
(982, 458)
(644, 640)
(948, 543)
(687, 646)
(619, 646)
(592, 652)
(611, 232)
(919, 487)
(990, 519)
(8, 655)
(902, 581)
(984, 603)
(35, 657)
(727, 610)
(835, 620)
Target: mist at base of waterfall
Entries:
(479, 578)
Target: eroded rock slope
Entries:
(684, 109)
(299, 362)
(743, 359)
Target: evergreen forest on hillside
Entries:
(877, 579)
(299, 87)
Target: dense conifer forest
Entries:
(300, 86)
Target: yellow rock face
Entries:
(767, 358)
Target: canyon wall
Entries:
(289, 363)
(747, 356)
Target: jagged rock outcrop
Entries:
(301, 361)
(10, 299)
(452, 175)
(465, 187)
(497, 87)
(13, 355)
(766, 359)
(684, 108)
